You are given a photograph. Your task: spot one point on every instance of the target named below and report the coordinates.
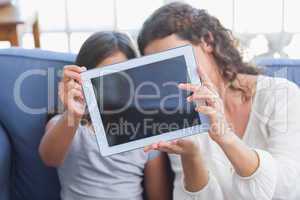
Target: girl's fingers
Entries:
(76, 93)
(73, 85)
(71, 75)
(74, 68)
(83, 69)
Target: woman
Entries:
(72, 147)
(251, 150)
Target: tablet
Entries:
(137, 103)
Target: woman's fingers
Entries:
(189, 87)
(184, 143)
(181, 147)
(150, 147)
(210, 100)
(206, 110)
(147, 148)
(169, 147)
(199, 97)
(205, 80)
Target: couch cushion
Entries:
(5, 158)
(28, 84)
(284, 68)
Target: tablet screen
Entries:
(144, 101)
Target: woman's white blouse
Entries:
(273, 131)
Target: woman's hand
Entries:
(208, 102)
(70, 91)
(194, 169)
(183, 147)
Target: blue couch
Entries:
(22, 174)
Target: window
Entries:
(65, 24)
(292, 16)
(224, 13)
(132, 13)
(258, 16)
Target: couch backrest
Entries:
(284, 68)
(28, 85)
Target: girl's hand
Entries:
(208, 102)
(183, 147)
(70, 91)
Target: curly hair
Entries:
(196, 25)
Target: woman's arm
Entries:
(195, 173)
(259, 174)
(194, 169)
(279, 168)
(60, 130)
(197, 182)
(244, 160)
(157, 179)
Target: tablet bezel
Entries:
(105, 149)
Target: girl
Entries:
(72, 147)
(252, 149)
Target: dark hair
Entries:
(195, 25)
(97, 48)
(101, 45)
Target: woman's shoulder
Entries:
(275, 88)
(275, 83)
(274, 97)
(277, 102)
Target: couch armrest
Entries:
(5, 165)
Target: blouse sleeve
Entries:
(211, 191)
(279, 168)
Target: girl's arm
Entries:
(60, 130)
(57, 139)
(157, 179)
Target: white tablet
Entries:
(137, 103)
